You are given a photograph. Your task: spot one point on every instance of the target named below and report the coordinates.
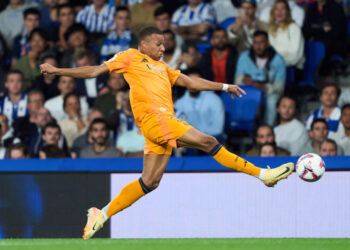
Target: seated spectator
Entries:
(21, 47)
(162, 20)
(281, 28)
(52, 135)
(241, 32)
(11, 20)
(142, 15)
(28, 65)
(75, 124)
(204, 110)
(108, 103)
(121, 38)
(264, 134)
(289, 125)
(317, 134)
(328, 148)
(6, 136)
(263, 68)
(129, 139)
(297, 13)
(194, 20)
(189, 58)
(97, 17)
(65, 85)
(65, 17)
(325, 21)
(45, 82)
(100, 147)
(18, 151)
(342, 136)
(51, 151)
(90, 87)
(268, 150)
(329, 110)
(172, 52)
(15, 103)
(219, 63)
(48, 15)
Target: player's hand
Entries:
(47, 69)
(235, 90)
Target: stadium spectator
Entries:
(6, 135)
(45, 82)
(11, 20)
(328, 148)
(48, 15)
(172, 52)
(265, 134)
(262, 67)
(75, 124)
(297, 13)
(65, 85)
(219, 63)
(100, 147)
(204, 110)
(121, 38)
(28, 65)
(51, 151)
(85, 139)
(142, 14)
(52, 135)
(194, 20)
(325, 21)
(126, 2)
(129, 139)
(18, 151)
(268, 150)
(92, 87)
(21, 47)
(189, 58)
(14, 104)
(289, 125)
(285, 35)
(97, 17)
(241, 32)
(109, 102)
(66, 17)
(317, 134)
(342, 136)
(162, 20)
(225, 9)
(329, 110)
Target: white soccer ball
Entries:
(310, 167)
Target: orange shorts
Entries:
(161, 132)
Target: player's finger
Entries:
(232, 96)
(236, 92)
(241, 90)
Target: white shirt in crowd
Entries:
(341, 139)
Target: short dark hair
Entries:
(330, 141)
(19, 146)
(218, 29)
(52, 151)
(289, 97)
(67, 96)
(345, 106)
(330, 84)
(36, 91)
(52, 125)
(272, 144)
(98, 121)
(160, 11)
(13, 72)
(261, 33)
(122, 8)
(318, 120)
(31, 11)
(62, 6)
(75, 27)
(148, 31)
(42, 33)
(169, 31)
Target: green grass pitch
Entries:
(175, 244)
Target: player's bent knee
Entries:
(148, 186)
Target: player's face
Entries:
(66, 84)
(122, 20)
(37, 44)
(280, 12)
(219, 40)
(52, 136)
(286, 109)
(35, 102)
(319, 133)
(162, 21)
(265, 135)
(345, 118)
(260, 45)
(14, 84)
(116, 81)
(329, 97)
(31, 22)
(99, 133)
(267, 150)
(153, 46)
(328, 149)
(66, 17)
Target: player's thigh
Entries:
(154, 166)
(194, 138)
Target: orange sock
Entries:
(230, 160)
(127, 196)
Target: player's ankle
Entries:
(261, 174)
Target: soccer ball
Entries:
(310, 167)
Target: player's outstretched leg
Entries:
(153, 169)
(198, 140)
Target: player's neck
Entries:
(15, 98)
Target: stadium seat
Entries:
(227, 22)
(203, 47)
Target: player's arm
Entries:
(80, 72)
(199, 84)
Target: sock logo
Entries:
(245, 163)
(236, 159)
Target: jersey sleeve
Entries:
(173, 75)
(120, 61)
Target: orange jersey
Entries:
(150, 82)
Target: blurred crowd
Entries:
(258, 44)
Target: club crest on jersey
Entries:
(156, 69)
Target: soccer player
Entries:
(150, 83)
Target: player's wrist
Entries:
(224, 87)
